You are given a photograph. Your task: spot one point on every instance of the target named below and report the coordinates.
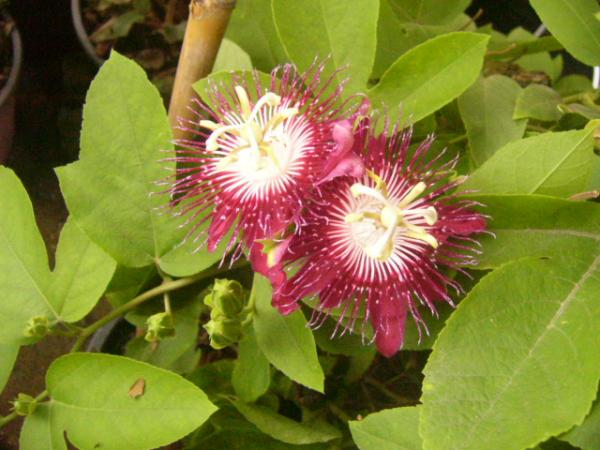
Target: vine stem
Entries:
(167, 286)
(164, 288)
(13, 415)
(204, 32)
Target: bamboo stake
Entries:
(203, 34)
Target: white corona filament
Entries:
(252, 133)
(391, 215)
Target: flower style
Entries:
(258, 157)
(381, 239)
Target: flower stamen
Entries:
(389, 215)
(251, 132)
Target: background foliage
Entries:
(516, 364)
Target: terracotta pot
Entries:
(7, 97)
(82, 33)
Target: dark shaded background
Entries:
(56, 75)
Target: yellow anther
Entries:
(249, 131)
(358, 189)
(242, 96)
(416, 190)
(209, 124)
(379, 183)
(421, 235)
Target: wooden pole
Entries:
(203, 34)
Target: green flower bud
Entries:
(24, 405)
(223, 333)
(37, 327)
(159, 326)
(227, 298)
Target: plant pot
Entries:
(82, 34)
(8, 97)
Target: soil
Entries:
(154, 39)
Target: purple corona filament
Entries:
(257, 156)
(381, 240)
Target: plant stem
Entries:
(387, 392)
(203, 34)
(536, 128)
(458, 139)
(8, 418)
(167, 286)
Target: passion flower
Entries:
(258, 155)
(383, 239)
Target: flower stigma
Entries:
(380, 217)
(255, 139)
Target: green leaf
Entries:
(428, 11)
(542, 62)
(285, 340)
(586, 435)
(214, 378)
(30, 289)
(394, 37)
(252, 27)
(573, 23)
(252, 372)
(551, 163)
(97, 389)
(284, 429)
(540, 322)
(202, 86)
(538, 102)
(229, 430)
(187, 259)
(486, 109)
(117, 27)
(169, 352)
(345, 31)
(126, 283)
(24, 272)
(231, 57)
(573, 84)
(431, 75)
(390, 429)
(81, 274)
(36, 433)
(536, 226)
(348, 344)
(112, 190)
(510, 50)
(8, 356)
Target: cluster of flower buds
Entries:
(302, 182)
(159, 326)
(38, 327)
(24, 405)
(228, 312)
